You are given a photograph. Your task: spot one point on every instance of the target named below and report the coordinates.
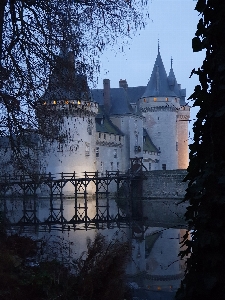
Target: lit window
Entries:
(167, 99)
(78, 102)
(67, 102)
(144, 100)
(54, 102)
(155, 99)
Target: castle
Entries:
(102, 129)
(107, 127)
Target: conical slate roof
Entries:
(158, 85)
(64, 82)
(173, 82)
(181, 93)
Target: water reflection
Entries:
(154, 264)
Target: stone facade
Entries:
(101, 130)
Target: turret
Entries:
(160, 105)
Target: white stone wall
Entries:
(109, 152)
(151, 161)
(160, 123)
(182, 128)
(132, 127)
(77, 152)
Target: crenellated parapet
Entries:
(71, 107)
(158, 108)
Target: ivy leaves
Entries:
(206, 172)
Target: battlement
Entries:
(71, 106)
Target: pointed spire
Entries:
(171, 63)
(158, 85)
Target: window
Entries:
(115, 153)
(97, 151)
(104, 136)
(99, 135)
(111, 166)
(102, 167)
(119, 138)
(155, 99)
(118, 165)
(163, 166)
(149, 166)
(176, 146)
(87, 149)
(167, 99)
(136, 140)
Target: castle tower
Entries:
(183, 115)
(160, 105)
(71, 112)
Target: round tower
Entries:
(69, 122)
(166, 116)
(160, 105)
(182, 132)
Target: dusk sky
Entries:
(173, 23)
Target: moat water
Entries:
(154, 270)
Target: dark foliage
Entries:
(32, 35)
(206, 192)
(97, 274)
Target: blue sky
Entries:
(173, 23)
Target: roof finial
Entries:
(171, 62)
(158, 46)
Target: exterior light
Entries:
(54, 102)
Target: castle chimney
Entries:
(106, 94)
(123, 83)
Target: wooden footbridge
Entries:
(114, 203)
